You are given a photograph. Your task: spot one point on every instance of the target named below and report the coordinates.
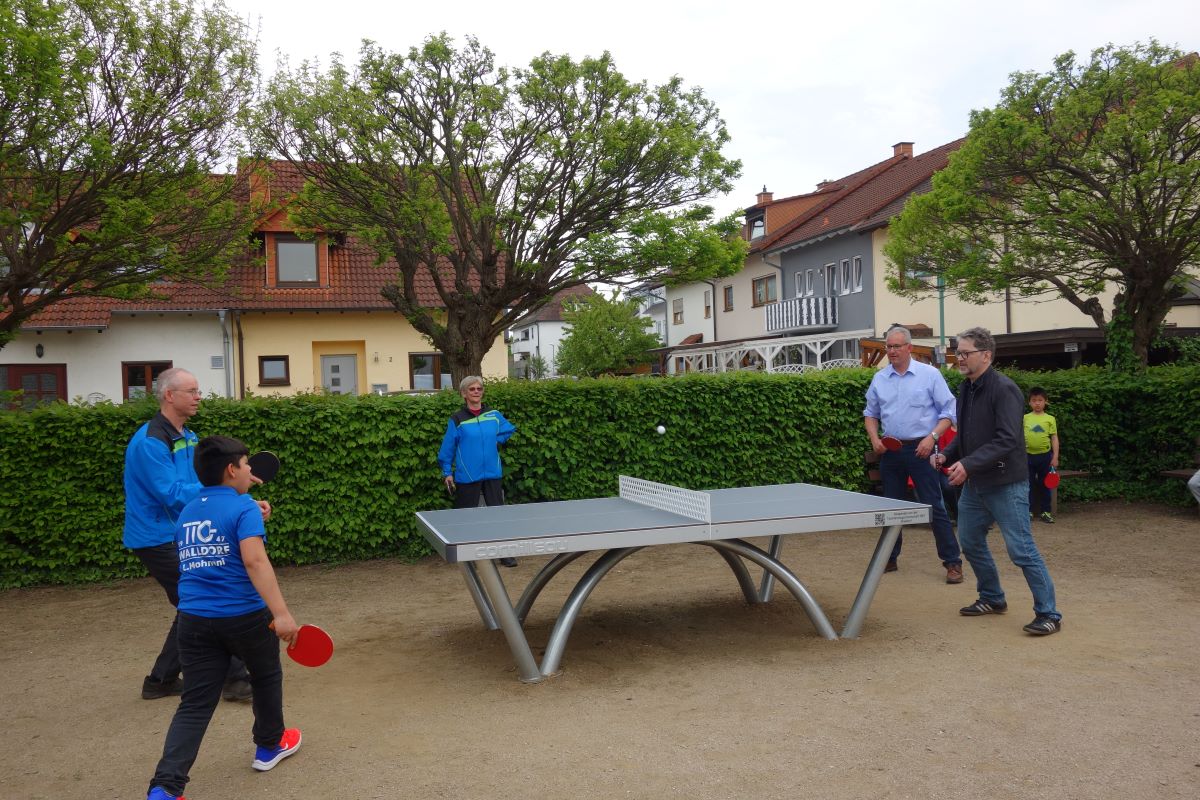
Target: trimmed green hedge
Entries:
(355, 469)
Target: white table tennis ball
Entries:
(661, 429)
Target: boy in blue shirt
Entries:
(229, 605)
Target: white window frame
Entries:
(858, 274)
(831, 273)
(844, 284)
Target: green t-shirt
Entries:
(1038, 430)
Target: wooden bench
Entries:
(1187, 472)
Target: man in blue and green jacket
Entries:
(159, 481)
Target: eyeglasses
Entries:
(965, 353)
(192, 392)
(896, 346)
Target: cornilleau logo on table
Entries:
(534, 547)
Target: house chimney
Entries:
(902, 149)
(823, 184)
(764, 196)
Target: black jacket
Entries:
(991, 437)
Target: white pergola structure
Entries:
(769, 355)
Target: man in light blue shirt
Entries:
(915, 405)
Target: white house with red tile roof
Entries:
(540, 334)
(296, 315)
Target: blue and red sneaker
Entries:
(266, 758)
(159, 793)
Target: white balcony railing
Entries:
(800, 313)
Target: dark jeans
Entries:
(162, 562)
(1039, 468)
(206, 646)
(466, 495)
(895, 468)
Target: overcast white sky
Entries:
(808, 90)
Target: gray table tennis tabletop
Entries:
(567, 530)
(472, 534)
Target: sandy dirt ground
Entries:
(672, 686)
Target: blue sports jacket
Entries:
(159, 481)
(471, 446)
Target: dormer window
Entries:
(295, 262)
(758, 227)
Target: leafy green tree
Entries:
(1083, 177)
(517, 183)
(112, 116)
(537, 368)
(606, 335)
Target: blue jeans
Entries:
(1008, 506)
(1039, 468)
(206, 646)
(895, 468)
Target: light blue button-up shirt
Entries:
(909, 405)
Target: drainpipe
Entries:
(225, 353)
(713, 284)
(241, 340)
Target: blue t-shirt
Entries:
(212, 578)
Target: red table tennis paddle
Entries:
(264, 465)
(312, 646)
(891, 443)
(1051, 479)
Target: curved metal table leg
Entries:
(784, 576)
(870, 582)
(475, 589)
(740, 572)
(552, 568)
(527, 667)
(767, 588)
(570, 609)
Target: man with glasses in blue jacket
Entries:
(159, 481)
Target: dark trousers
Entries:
(206, 647)
(466, 495)
(1039, 468)
(895, 468)
(162, 562)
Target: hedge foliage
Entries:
(355, 469)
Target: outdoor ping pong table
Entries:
(645, 514)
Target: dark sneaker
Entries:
(238, 690)
(954, 573)
(1044, 626)
(508, 561)
(1045, 517)
(891, 566)
(152, 689)
(981, 607)
(266, 758)
(159, 793)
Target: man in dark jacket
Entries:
(987, 459)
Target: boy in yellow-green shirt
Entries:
(1041, 448)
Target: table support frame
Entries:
(497, 611)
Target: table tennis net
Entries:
(684, 502)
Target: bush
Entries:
(355, 469)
